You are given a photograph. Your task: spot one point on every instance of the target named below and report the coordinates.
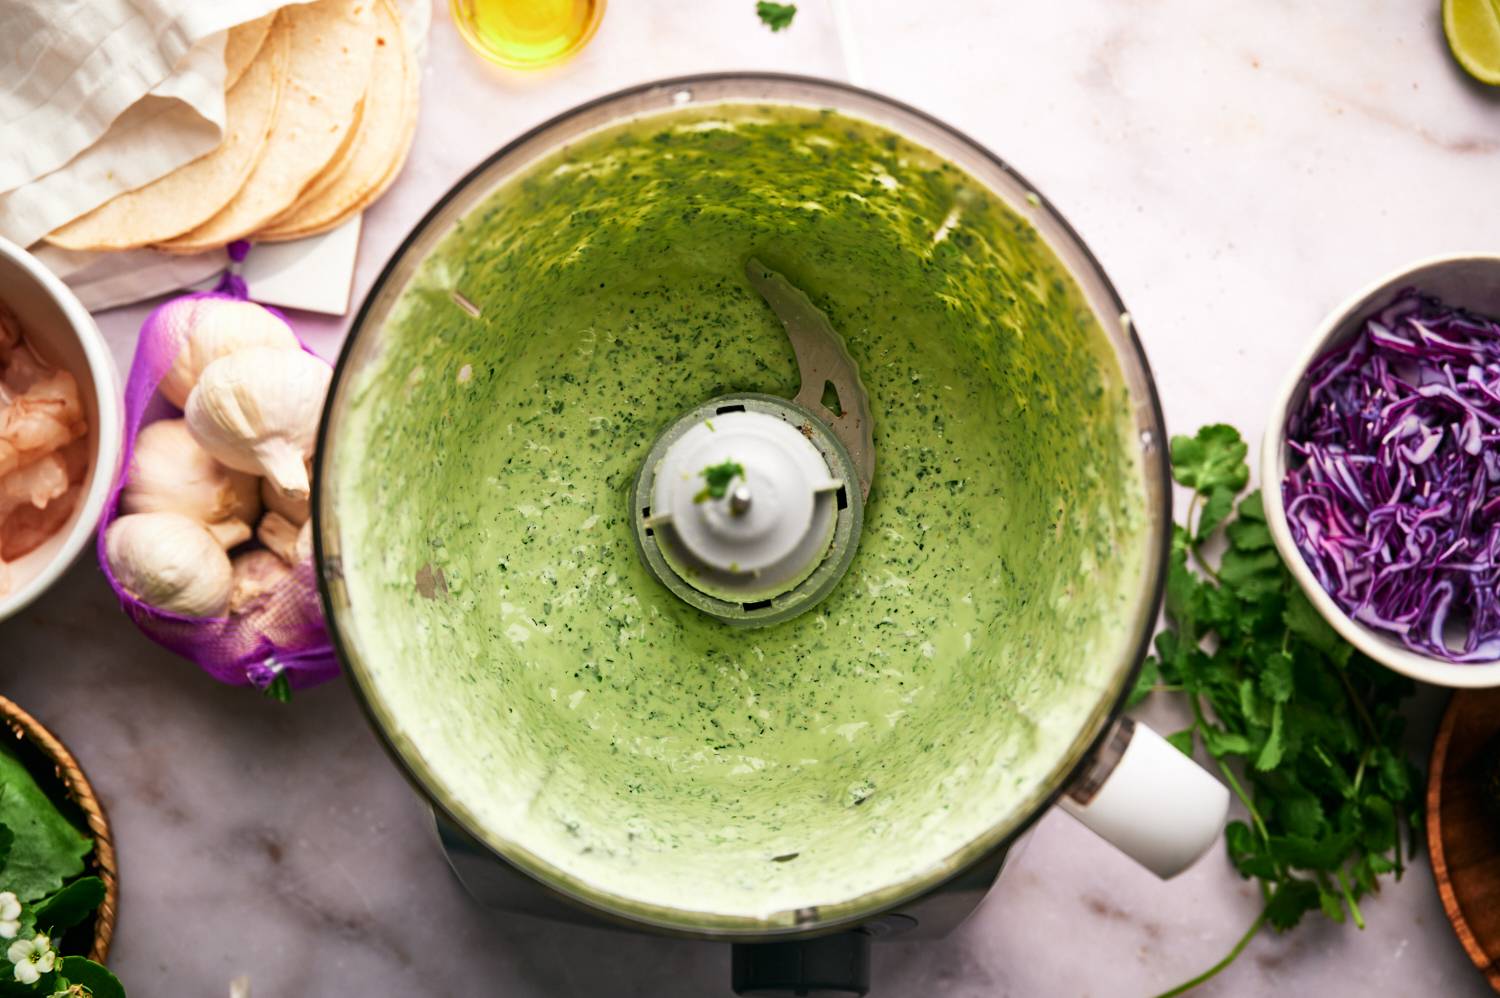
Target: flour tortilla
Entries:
(385, 134)
(242, 45)
(332, 47)
(192, 194)
(340, 161)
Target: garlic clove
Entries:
(171, 562)
(229, 533)
(257, 410)
(210, 328)
(279, 534)
(305, 543)
(296, 510)
(171, 472)
(255, 574)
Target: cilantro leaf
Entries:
(1220, 502)
(1247, 535)
(1275, 744)
(1182, 741)
(1307, 731)
(1291, 900)
(1276, 679)
(1145, 682)
(1303, 620)
(1214, 459)
(776, 16)
(717, 479)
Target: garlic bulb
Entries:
(210, 328)
(170, 561)
(255, 574)
(170, 472)
(257, 410)
(295, 510)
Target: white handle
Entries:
(1149, 801)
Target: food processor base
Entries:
(828, 966)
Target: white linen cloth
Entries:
(98, 97)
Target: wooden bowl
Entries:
(1463, 828)
(41, 752)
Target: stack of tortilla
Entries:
(320, 109)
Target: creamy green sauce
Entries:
(569, 703)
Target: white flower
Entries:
(10, 914)
(32, 957)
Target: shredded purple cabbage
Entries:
(1394, 493)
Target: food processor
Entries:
(742, 510)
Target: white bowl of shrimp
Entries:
(61, 427)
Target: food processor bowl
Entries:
(575, 298)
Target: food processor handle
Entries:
(1149, 800)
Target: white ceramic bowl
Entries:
(63, 332)
(1468, 280)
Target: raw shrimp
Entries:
(23, 370)
(44, 450)
(35, 484)
(46, 417)
(25, 528)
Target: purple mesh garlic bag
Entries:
(206, 537)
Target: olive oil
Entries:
(527, 34)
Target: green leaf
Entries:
(1182, 586)
(1395, 774)
(6, 838)
(1303, 620)
(1145, 682)
(1271, 751)
(1213, 459)
(717, 478)
(46, 850)
(1252, 704)
(1332, 905)
(1248, 535)
(1220, 503)
(1182, 741)
(1251, 574)
(1302, 852)
(70, 906)
(1252, 507)
(776, 15)
(100, 982)
(1291, 900)
(1220, 742)
(1277, 680)
(1301, 812)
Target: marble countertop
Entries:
(1238, 170)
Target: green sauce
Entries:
(570, 703)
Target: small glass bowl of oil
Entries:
(527, 34)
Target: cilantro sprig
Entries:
(1305, 730)
(716, 480)
(776, 15)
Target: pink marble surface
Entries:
(1238, 170)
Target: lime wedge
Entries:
(1473, 30)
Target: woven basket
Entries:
(27, 729)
